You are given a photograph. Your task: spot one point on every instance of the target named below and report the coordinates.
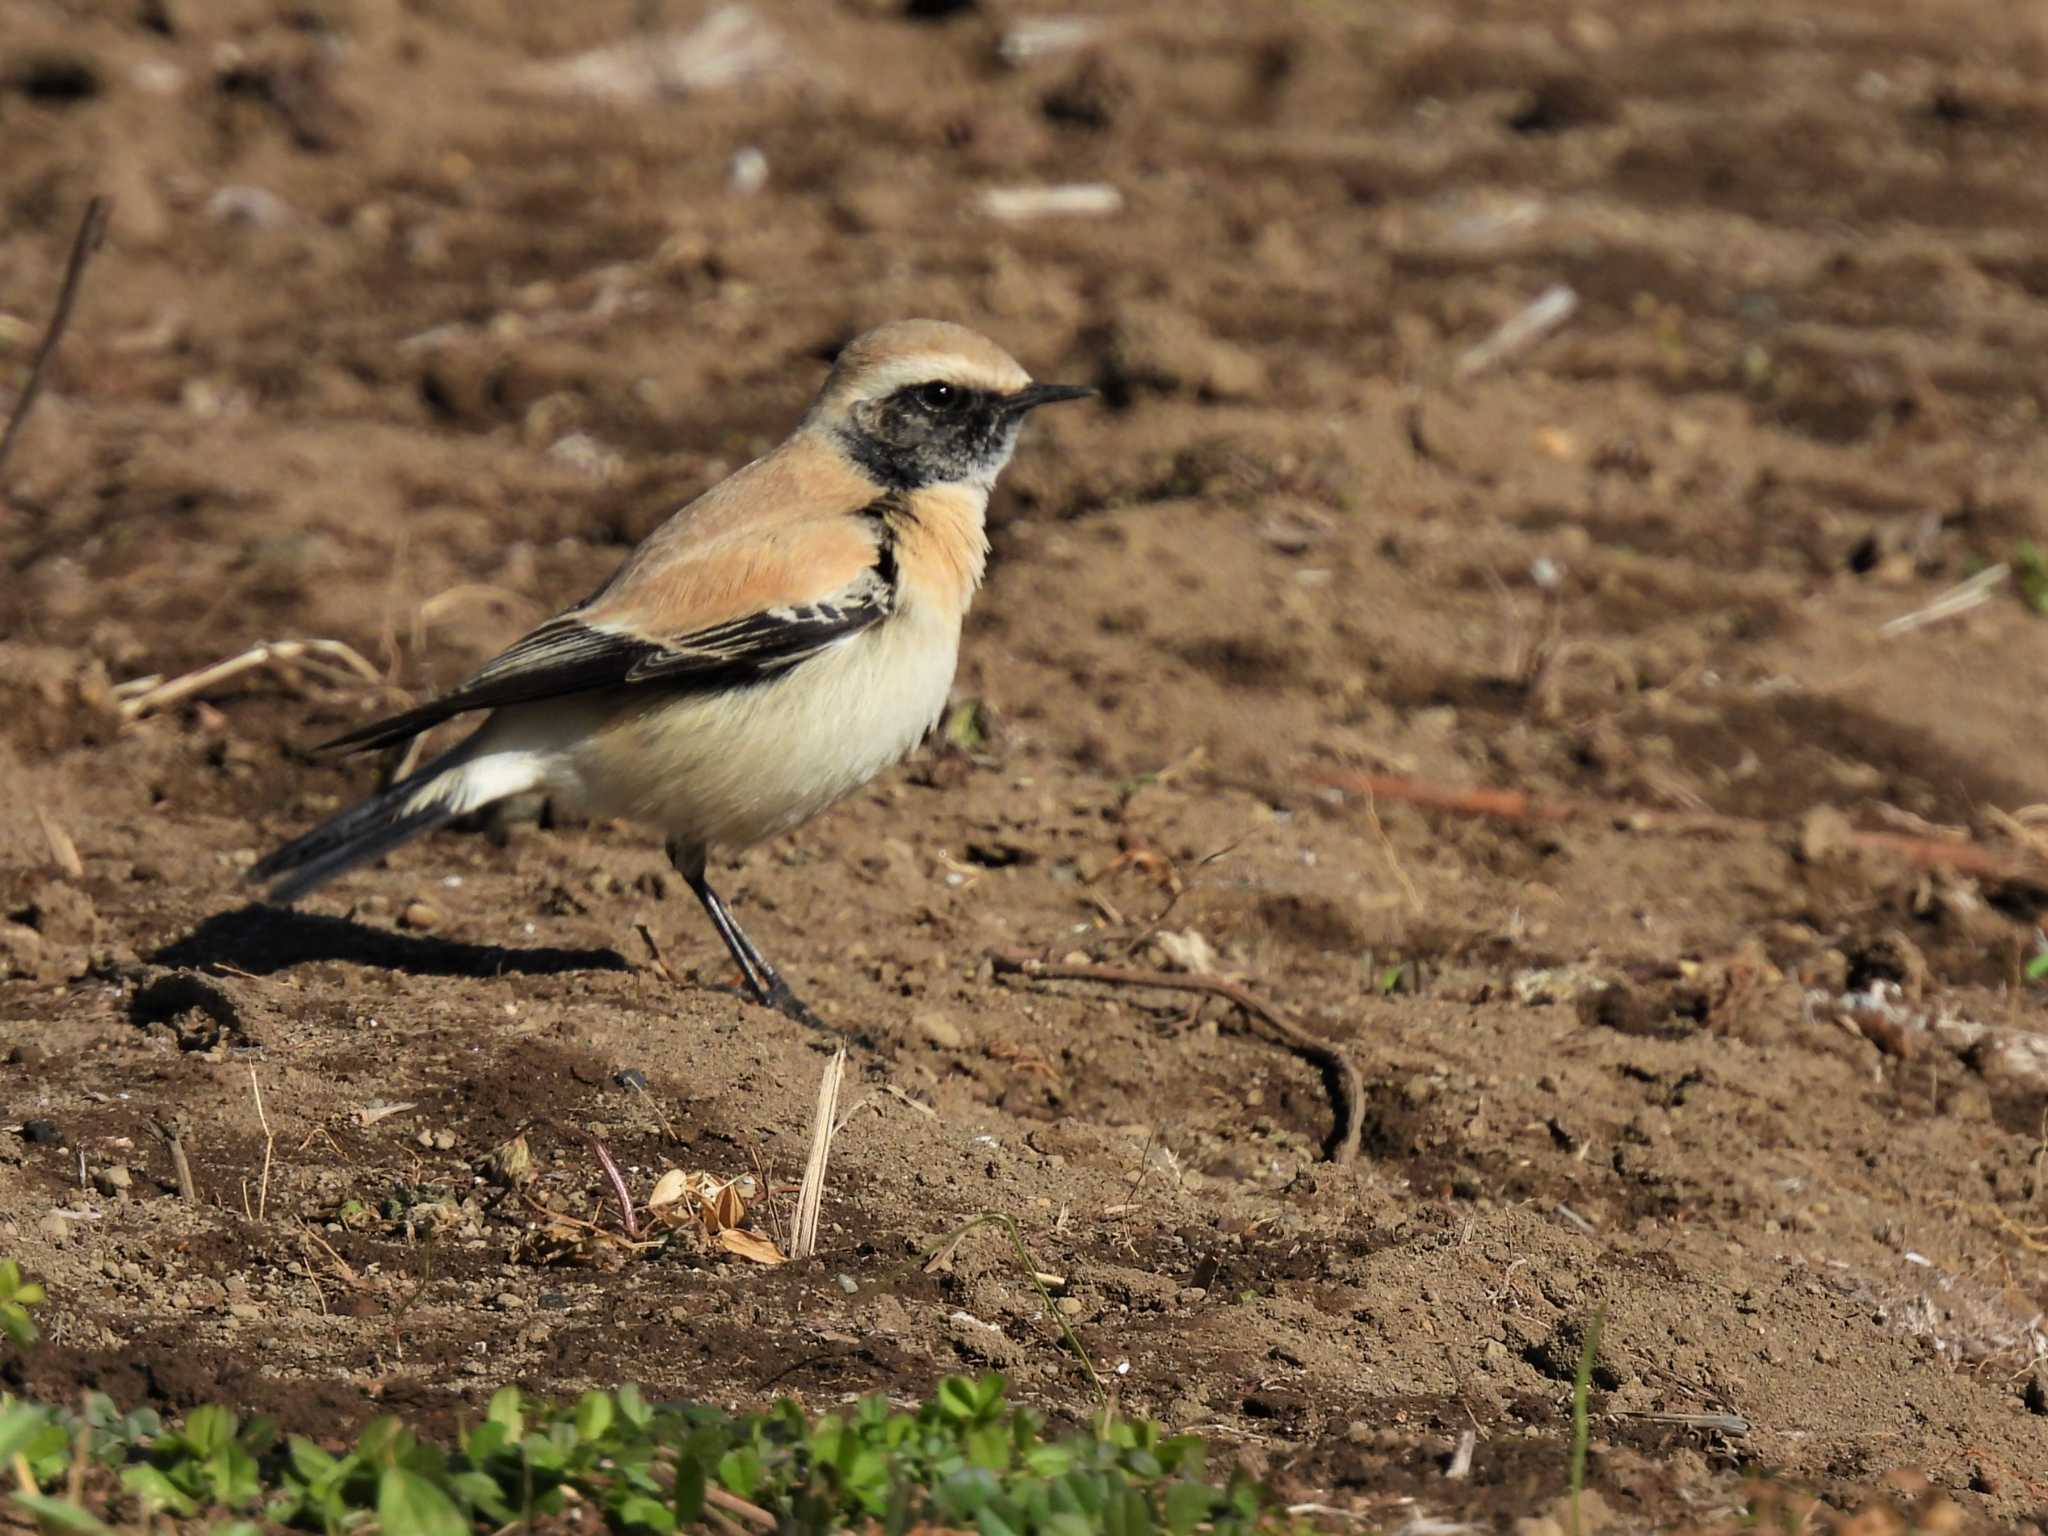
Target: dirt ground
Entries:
(400, 338)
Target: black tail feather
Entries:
(356, 836)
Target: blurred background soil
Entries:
(415, 314)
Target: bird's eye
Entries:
(938, 395)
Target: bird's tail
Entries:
(465, 780)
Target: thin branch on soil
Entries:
(810, 1194)
(92, 230)
(332, 657)
(269, 1143)
(1347, 1093)
(172, 1129)
(1515, 805)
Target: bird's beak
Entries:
(1032, 396)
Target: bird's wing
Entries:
(739, 612)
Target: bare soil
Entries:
(396, 343)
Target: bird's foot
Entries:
(777, 995)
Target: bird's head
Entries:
(922, 403)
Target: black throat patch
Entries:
(904, 443)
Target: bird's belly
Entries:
(731, 769)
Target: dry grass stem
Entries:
(269, 1144)
(1972, 592)
(63, 852)
(1393, 857)
(810, 1195)
(333, 657)
(342, 1267)
(92, 230)
(1347, 1093)
(1461, 1459)
(1523, 329)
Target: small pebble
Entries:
(245, 1311)
(1070, 1306)
(508, 1301)
(55, 1228)
(849, 1285)
(41, 1133)
(113, 1182)
(631, 1077)
(419, 917)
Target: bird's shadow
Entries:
(263, 940)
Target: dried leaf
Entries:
(668, 1189)
(751, 1246)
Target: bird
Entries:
(775, 644)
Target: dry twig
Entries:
(269, 1142)
(810, 1195)
(92, 229)
(172, 1129)
(1347, 1093)
(146, 695)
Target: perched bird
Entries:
(770, 648)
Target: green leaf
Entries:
(208, 1429)
(689, 1497)
(59, 1514)
(156, 1491)
(739, 1471)
(19, 1425)
(955, 1398)
(593, 1415)
(312, 1465)
(1186, 1506)
(633, 1408)
(2037, 968)
(480, 1490)
(505, 1409)
(409, 1505)
(649, 1514)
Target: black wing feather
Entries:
(568, 656)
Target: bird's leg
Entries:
(769, 989)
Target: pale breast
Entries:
(733, 769)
